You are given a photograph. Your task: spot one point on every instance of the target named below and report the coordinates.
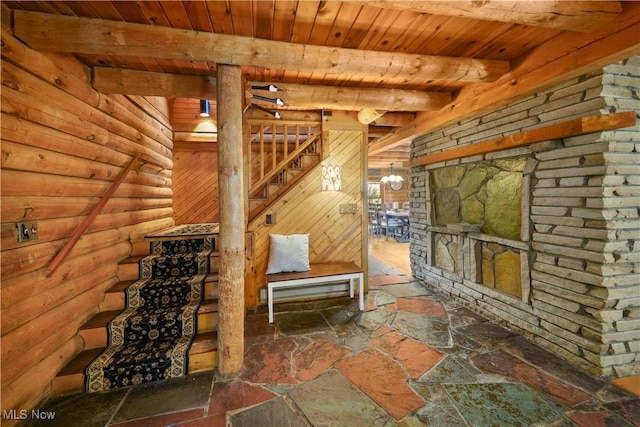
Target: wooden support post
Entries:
(232, 221)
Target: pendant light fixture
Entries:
(391, 177)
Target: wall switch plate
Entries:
(269, 219)
(27, 231)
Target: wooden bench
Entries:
(319, 273)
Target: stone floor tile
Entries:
(332, 400)
(258, 329)
(503, 404)
(270, 363)
(412, 289)
(502, 363)
(430, 330)
(597, 419)
(422, 305)
(629, 409)
(90, 410)
(385, 298)
(390, 390)
(302, 322)
(217, 420)
(462, 316)
(388, 280)
(439, 409)
(373, 320)
(173, 395)
(275, 412)
(486, 333)
(316, 358)
(416, 357)
(229, 396)
(550, 363)
(450, 370)
(462, 342)
(163, 420)
(629, 384)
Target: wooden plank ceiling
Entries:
(403, 58)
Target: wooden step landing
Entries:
(202, 357)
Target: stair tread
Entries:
(101, 319)
(120, 286)
(202, 343)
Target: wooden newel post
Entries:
(232, 221)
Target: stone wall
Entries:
(570, 280)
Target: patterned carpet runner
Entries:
(150, 339)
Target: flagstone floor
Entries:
(413, 358)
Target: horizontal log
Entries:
(16, 129)
(32, 388)
(561, 130)
(31, 334)
(26, 309)
(353, 99)
(30, 208)
(582, 16)
(107, 114)
(135, 82)
(394, 119)
(110, 80)
(32, 283)
(33, 255)
(98, 36)
(50, 345)
(71, 76)
(35, 159)
(31, 109)
(16, 183)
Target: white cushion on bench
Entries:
(288, 253)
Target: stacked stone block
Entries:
(580, 237)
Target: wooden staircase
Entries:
(203, 351)
(280, 156)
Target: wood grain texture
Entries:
(333, 237)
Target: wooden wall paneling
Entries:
(195, 190)
(63, 145)
(307, 209)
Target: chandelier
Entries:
(391, 177)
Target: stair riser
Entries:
(131, 271)
(115, 300)
(74, 383)
(98, 337)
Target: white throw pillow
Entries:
(288, 253)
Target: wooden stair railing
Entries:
(278, 167)
(60, 256)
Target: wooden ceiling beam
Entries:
(564, 57)
(353, 99)
(581, 16)
(310, 97)
(59, 33)
(145, 83)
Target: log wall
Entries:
(333, 236)
(63, 144)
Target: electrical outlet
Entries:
(27, 231)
